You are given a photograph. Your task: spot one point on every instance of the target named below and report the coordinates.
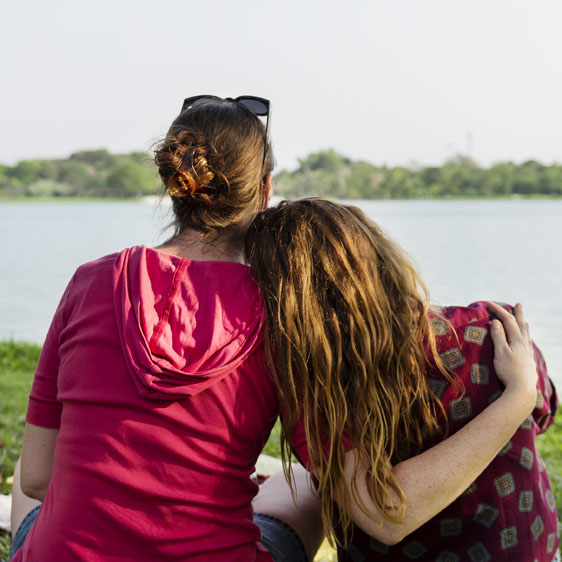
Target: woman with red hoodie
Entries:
(151, 402)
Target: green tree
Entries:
(25, 172)
(128, 179)
(364, 181)
(455, 179)
(76, 175)
(399, 183)
(99, 159)
(552, 182)
(4, 180)
(499, 178)
(327, 173)
(527, 178)
(140, 158)
(327, 160)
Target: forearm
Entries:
(432, 480)
(37, 460)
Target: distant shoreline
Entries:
(98, 174)
(156, 199)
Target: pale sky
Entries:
(388, 81)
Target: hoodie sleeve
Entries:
(43, 408)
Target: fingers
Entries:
(524, 327)
(518, 312)
(529, 341)
(498, 337)
(510, 323)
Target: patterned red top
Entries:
(509, 512)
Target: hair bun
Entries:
(193, 174)
(183, 164)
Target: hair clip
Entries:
(187, 161)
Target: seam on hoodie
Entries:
(171, 296)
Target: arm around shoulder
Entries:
(435, 478)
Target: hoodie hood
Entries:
(184, 325)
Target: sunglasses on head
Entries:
(258, 106)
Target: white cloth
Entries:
(5, 509)
(268, 465)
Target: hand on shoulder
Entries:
(513, 353)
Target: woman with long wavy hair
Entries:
(370, 376)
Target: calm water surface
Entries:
(465, 250)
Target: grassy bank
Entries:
(17, 363)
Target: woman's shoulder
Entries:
(94, 272)
(464, 343)
(476, 313)
(96, 267)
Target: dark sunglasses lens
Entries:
(257, 106)
(188, 102)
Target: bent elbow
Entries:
(35, 493)
(35, 490)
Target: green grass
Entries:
(273, 445)
(17, 364)
(18, 356)
(550, 447)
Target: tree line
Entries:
(98, 173)
(89, 173)
(328, 173)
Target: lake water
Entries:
(466, 250)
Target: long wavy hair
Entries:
(348, 341)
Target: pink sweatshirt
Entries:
(153, 371)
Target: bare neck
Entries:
(192, 245)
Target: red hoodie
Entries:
(153, 371)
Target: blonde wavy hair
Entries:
(348, 339)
